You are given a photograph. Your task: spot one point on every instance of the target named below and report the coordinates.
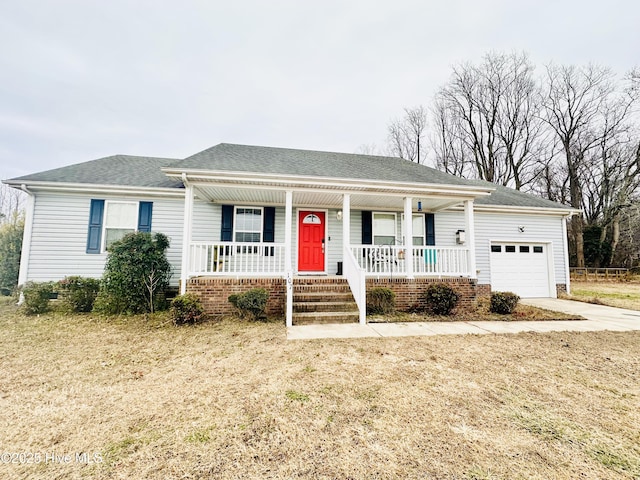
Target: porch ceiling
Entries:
(257, 196)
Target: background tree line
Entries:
(568, 133)
(11, 228)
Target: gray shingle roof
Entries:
(511, 197)
(135, 171)
(286, 161)
(123, 170)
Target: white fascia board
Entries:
(561, 212)
(206, 176)
(98, 188)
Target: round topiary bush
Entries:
(503, 303)
(440, 298)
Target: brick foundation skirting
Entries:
(409, 291)
(485, 290)
(214, 292)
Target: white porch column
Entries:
(346, 220)
(407, 231)
(288, 253)
(187, 221)
(469, 226)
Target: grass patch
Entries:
(297, 396)
(231, 399)
(613, 294)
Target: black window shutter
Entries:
(431, 228)
(226, 231)
(269, 226)
(367, 227)
(269, 229)
(94, 235)
(144, 216)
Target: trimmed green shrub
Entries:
(36, 297)
(380, 300)
(186, 309)
(440, 298)
(136, 274)
(251, 304)
(503, 302)
(78, 293)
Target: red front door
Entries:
(311, 241)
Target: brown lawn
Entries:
(237, 400)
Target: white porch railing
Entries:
(230, 258)
(390, 260)
(355, 276)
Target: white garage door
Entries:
(522, 268)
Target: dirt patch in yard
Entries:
(480, 313)
(237, 400)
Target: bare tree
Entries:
(406, 135)
(368, 149)
(451, 153)
(11, 204)
(580, 109)
(487, 118)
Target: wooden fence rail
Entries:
(596, 274)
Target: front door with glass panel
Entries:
(311, 241)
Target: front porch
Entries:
(307, 229)
(329, 296)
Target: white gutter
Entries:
(98, 188)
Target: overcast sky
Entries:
(84, 79)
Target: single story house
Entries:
(315, 228)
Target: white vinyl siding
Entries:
(60, 227)
(500, 227)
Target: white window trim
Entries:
(373, 226)
(235, 222)
(103, 247)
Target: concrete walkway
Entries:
(598, 317)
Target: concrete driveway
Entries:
(598, 317)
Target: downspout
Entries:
(26, 240)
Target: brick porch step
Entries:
(323, 301)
